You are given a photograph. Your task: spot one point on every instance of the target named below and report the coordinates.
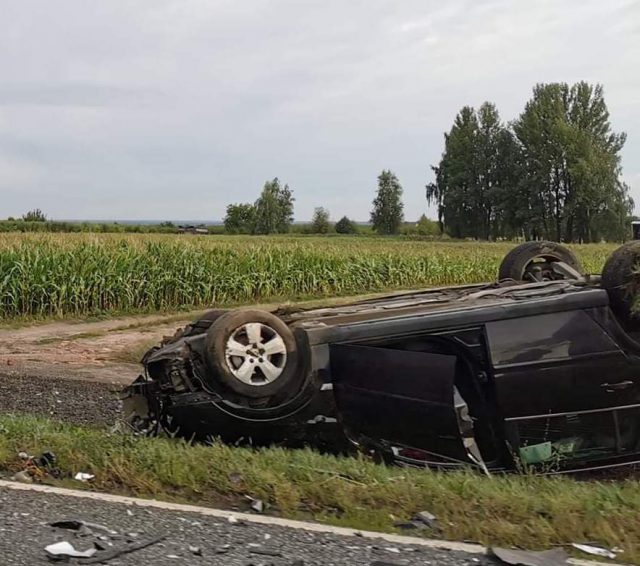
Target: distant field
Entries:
(74, 275)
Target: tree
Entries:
(472, 182)
(240, 219)
(35, 215)
(320, 223)
(387, 214)
(346, 226)
(571, 164)
(274, 209)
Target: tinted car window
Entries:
(553, 336)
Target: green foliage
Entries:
(571, 183)
(502, 510)
(424, 227)
(475, 176)
(346, 226)
(274, 209)
(35, 215)
(75, 275)
(320, 223)
(387, 214)
(240, 219)
(554, 174)
(86, 227)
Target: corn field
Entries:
(70, 275)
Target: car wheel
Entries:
(203, 323)
(253, 353)
(533, 261)
(621, 280)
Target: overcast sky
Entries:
(162, 109)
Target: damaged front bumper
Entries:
(309, 418)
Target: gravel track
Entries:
(74, 401)
(24, 533)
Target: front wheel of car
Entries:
(253, 353)
(621, 279)
(534, 262)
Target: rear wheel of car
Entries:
(621, 279)
(204, 322)
(253, 353)
(199, 326)
(533, 261)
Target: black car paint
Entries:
(531, 362)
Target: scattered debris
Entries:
(427, 519)
(36, 468)
(265, 551)
(65, 549)
(595, 550)
(77, 524)
(224, 549)
(45, 460)
(84, 477)
(555, 557)
(421, 520)
(256, 505)
(120, 550)
(23, 476)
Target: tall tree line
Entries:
(553, 173)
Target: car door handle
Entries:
(611, 387)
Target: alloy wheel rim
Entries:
(255, 354)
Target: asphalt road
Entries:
(191, 539)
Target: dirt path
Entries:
(103, 351)
(106, 351)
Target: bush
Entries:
(346, 226)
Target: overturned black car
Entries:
(539, 369)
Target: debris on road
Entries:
(595, 550)
(78, 524)
(265, 551)
(195, 550)
(112, 553)
(554, 557)
(65, 549)
(84, 477)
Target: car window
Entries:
(553, 336)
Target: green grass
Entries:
(525, 511)
(76, 275)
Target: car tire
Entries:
(622, 283)
(204, 322)
(530, 261)
(199, 326)
(253, 353)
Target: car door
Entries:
(562, 383)
(402, 398)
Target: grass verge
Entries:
(526, 511)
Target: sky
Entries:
(172, 109)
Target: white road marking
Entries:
(262, 519)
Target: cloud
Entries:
(178, 107)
